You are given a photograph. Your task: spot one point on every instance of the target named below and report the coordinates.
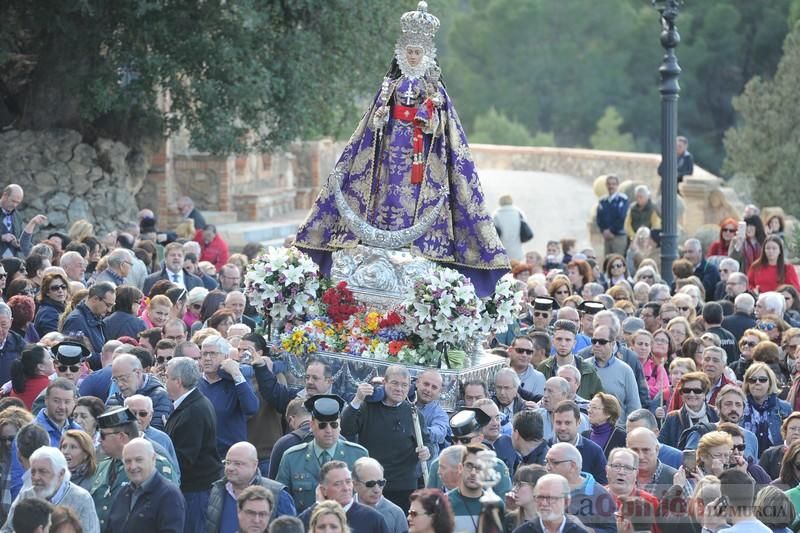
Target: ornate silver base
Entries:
(379, 277)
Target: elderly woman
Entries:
(51, 298)
(123, 322)
(763, 411)
(693, 388)
(773, 326)
(747, 343)
(604, 411)
(78, 449)
(738, 458)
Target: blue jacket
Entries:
(153, 389)
(505, 451)
(97, 384)
(82, 322)
(775, 417)
(611, 214)
(709, 275)
(120, 324)
(10, 352)
(160, 508)
(47, 316)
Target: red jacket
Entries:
(765, 278)
(215, 252)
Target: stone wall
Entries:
(68, 180)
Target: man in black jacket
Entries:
(173, 271)
(192, 426)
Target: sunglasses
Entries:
(617, 265)
(372, 482)
(72, 368)
(462, 440)
(766, 326)
(523, 350)
(758, 379)
(738, 447)
(728, 230)
(413, 514)
(58, 287)
(692, 390)
(161, 359)
(324, 425)
(749, 344)
(103, 436)
(541, 313)
(601, 342)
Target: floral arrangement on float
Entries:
(439, 318)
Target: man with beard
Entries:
(50, 482)
(465, 500)
(149, 502)
(552, 495)
(564, 338)
(623, 464)
(566, 418)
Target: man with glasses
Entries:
(519, 359)
(615, 374)
(300, 466)
(241, 471)
(117, 428)
(622, 467)
(142, 408)
(230, 278)
(542, 311)
(551, 494)
(735, 285)
(590, 503)
(119, 267)
(230, 393)
(465, 500)
(564, 338)
(87, 318)
(130, 378)
(385, 428)
(369, 482)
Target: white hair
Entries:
(5, 310)
(572, 370)
(642, 189)
(561, 480)
(365, 462)
(615, 324)
(744, 303)
(562, 383)
(219, 343)
(452, 455)
(730, 263)
(617, 451)
(192, 247)
(56, 458)
(693, 244)
(510, 373)
(137, 397)
(772, 302)
(570, 452)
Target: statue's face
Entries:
(414, 55)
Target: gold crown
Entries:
(420, 21)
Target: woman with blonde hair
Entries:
(78, 449)
(679, 329)
(72, 302)
(763, 411)
(679, 367)
(621, 291)
(328, 517)
(685, 305)
(157, 312)
(775, 509)
(81, 229)
(747, 343)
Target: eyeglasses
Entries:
(471, 466)
(553, 462)
(103, 436)
(372, 482)
(757, 379)
(123, 377)
(540, 498)
(618, 265)
(161, 359)
(692, 390)
(463, 440)
(72, 368)
(622, 468)
(260, 515)
(324, 425)
(58, 287)
(196, 306)
(109, 305)
(413, 514)
(601, 342)
(523, 350)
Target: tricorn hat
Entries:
(591, 308)
(468, 421)
(325, 407)
(115, 417)
(543, 303)
(70, 352)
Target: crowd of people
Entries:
(138, 396)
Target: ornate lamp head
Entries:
(418, 30)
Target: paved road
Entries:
(557, 206)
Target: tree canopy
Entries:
(258, 72)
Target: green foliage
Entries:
(236, 73)
(557, 65)
(764, 144)
(496, 128)
(608, 136)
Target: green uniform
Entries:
(300, 465)
(109, 478)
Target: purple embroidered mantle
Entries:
(376, 181)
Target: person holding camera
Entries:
(228, 390)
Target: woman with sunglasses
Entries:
(51, 299)
(194, 303)
(770, 269)
(30, 374)
(560, 289)
(727, 231)
(679, 367)
(430, 512)
(695, 410)
(749, 340)
(615, 270)
(123, 322)
(78, 450)
(773, 326)
(521, 494)
(763, 411)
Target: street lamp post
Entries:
(669, 89)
